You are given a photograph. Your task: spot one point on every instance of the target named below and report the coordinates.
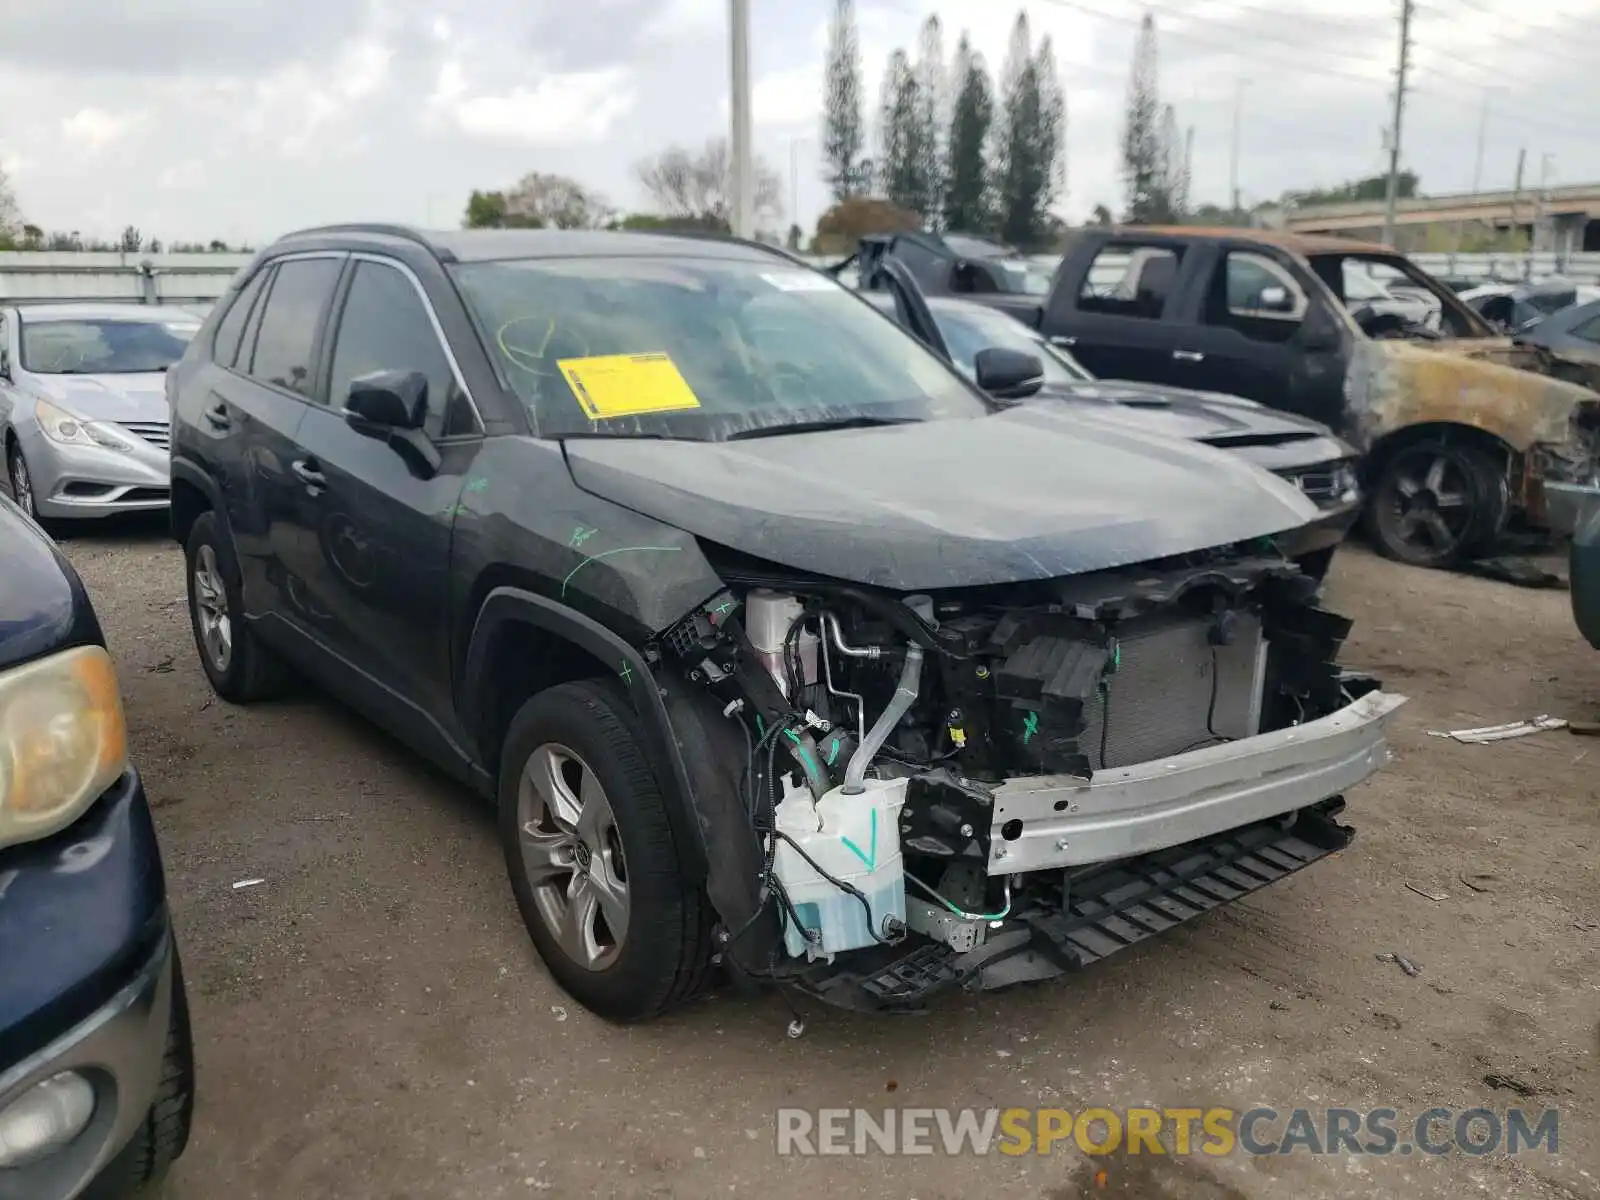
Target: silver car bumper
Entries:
(1053, 821)
(87, 481)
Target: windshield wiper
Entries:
(856, 422)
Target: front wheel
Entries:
(1436, 504)
(592, 858)
(21, 480)
(164, 1132)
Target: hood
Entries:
(1493, 384)
(1030, 493)
(135, 397)
(1211, 417)
(43, 605)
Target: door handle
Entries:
(218, 418)
(1064, 340)
(309, 473)
(1188, 355)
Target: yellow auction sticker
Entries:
(627, 385)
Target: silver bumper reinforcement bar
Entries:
(1047, 822)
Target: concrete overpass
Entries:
(1562, 220)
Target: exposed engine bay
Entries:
(943, 786)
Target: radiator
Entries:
(1169, 678)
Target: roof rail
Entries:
(407, 232)
(711, 235)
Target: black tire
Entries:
(164, 1133)
(1414, 527)
(15, 465)
(664, 957)
(248, 671)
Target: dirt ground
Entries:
(372, 1021)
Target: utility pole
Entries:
(1477, 168)
(1392, 195)
(1516, 196)
(1233, 153)
(744, 216)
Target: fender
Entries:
(186, 470)
(510, 605)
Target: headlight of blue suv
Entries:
(63, 741)
(63, 428)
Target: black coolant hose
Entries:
(913, 625)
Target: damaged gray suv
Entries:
(785, 650)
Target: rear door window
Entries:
(225, 346)
(1130, 280)
(286, 341)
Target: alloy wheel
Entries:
(21, 483)
(1431, 505)
(211, 609)
(572, 854)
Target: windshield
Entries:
(701, 348)
(969, 330)
(1349, 274)
(103, 346)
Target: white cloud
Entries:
(93, 129)
(559, 108)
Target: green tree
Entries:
(844, 168)
(932, 122)
(542, 200)
(131, 241)
(1102, 216)
(10, 214)
(795, 236)
(1052, 129)
(1142, 175)
(1025, 161)
(1174, 165)
(900, 158)
(485, 210)
(967, 205)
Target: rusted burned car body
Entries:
(1491, 385)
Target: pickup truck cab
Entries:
(96, 1067)
(1457, 427)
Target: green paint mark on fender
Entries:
(627, 672)
(1030, 726)
(871, 857)
(476, 485)
(580, 535)
(608, 554)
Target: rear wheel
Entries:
(596, 870)
(239, 667)
(1436, 504)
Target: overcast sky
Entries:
(243, 118)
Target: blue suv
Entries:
(96, 1063)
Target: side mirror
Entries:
(391, 400)
(1275, 299)
(1008, 374)
(961, 281)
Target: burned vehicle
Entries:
(782, 648)
(1458, 426)
(982, 341)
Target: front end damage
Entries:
(1517, 393)
(973, 788)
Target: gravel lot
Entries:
(372, 1021)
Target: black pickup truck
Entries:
(1458, 426)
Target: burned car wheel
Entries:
(592, 857)
(1435, 504)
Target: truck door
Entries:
(1254, 328)
(1112, 309)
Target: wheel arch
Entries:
(193, 493)
(522, 643)
(1448, 432)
